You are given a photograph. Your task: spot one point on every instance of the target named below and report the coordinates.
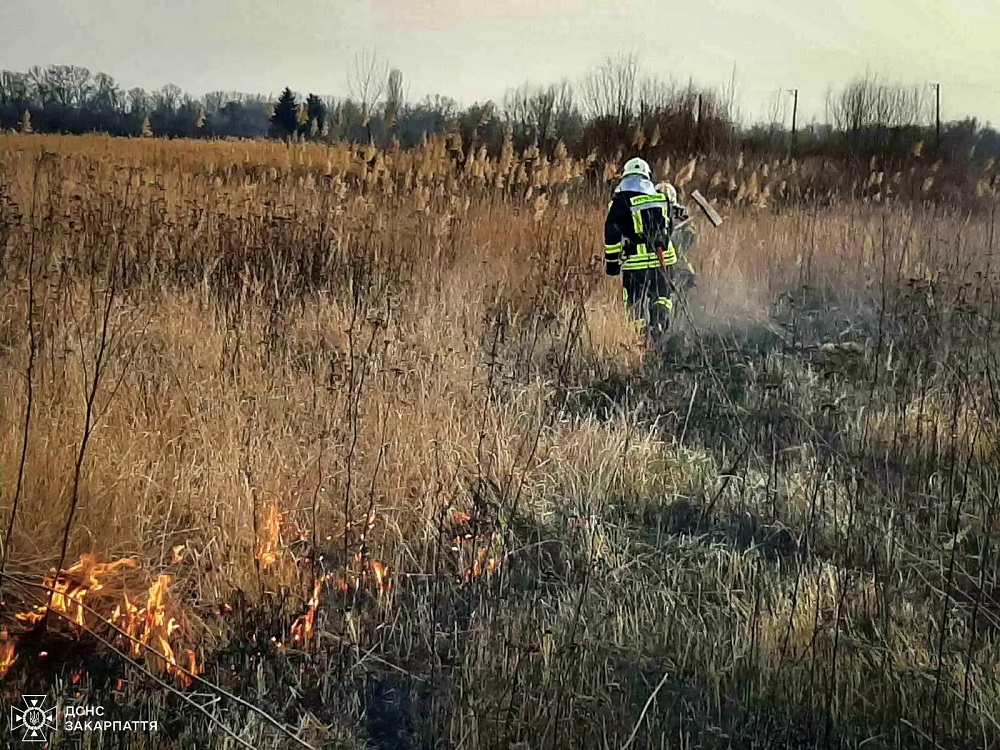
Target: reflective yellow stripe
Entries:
(669, 255)
(641, 264)
(640, 200)
(646, 261)
(641, 258)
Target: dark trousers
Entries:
(647, 297)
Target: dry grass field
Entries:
(365, 450)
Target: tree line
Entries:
(616, 106)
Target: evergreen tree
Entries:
(316, 111)
(285, 120)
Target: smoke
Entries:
(728, 303)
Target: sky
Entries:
(474, 50)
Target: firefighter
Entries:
(639, 219)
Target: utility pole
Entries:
(698, 142)
(795, 112)
(937, 113)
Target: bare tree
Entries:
(655, 94)
(216, 100)
(540, 114)
(610, 91)
(868, 103)
(565, 116)
(776, 115)
(542, 106)
(107, 96)
(14, 88)
(367, 80)
(727, 101)
(515, 106)
(139, 101)
(168, 99)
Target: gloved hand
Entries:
(612, 268)
(679, 213)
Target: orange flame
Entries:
(302, 628)
(149, 626)
(381, 576)
(131, 618)
(178, 554)
(192, 666)
(72, 586)
(369, 522)
(8, 653)
(268, 552)
(157, 628)
(482, 564)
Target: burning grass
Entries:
(80, 598)
(374, 451)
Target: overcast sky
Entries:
(476, 49)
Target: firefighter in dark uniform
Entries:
(639, 219)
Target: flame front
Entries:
(156, 629)
(72, 586)
(150, 626)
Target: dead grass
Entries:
(785, 532)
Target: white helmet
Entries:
(636, 166)
(668, 190)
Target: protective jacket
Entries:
(636, 215)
